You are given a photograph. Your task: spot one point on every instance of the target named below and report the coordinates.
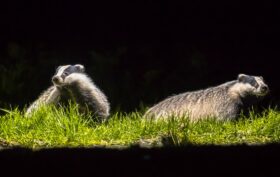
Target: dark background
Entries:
(239, 161)
(137, 53)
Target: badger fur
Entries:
(223, 102)
(70, 83)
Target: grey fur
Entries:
(50, 96)
(223, 102)
(71, 83)
(87, 95)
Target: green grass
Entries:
(53, 127)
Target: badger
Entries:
(222, 102)
(71, 83)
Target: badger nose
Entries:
(264, 88)
(55, 79)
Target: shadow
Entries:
(241, 160)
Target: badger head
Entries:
(63, 71)
(252, 85)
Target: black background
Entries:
(137, 52)
(188, 161)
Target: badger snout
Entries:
(264, 88)
(57, 80)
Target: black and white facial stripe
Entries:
(66, 70)
(249, 79)
(256, 82)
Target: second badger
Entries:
(72, 83)
(224, 102)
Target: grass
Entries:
(54, 127)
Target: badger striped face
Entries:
(253, 85)
(63, 71)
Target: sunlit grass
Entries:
(55, 127)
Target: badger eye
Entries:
(66, 73)
(256, 85)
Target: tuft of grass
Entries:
(56, 127)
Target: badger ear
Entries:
(241, 77)
(261, 77)
(80, 67)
